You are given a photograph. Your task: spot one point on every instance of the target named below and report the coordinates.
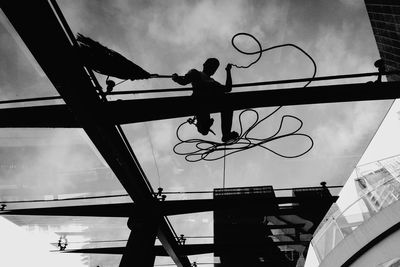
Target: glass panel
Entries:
(21, 76)
(51, 164)
(164, 38)
(153, 143)
(42, 168)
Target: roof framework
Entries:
(140, 110)
(86, 108)
(61, 65)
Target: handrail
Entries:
(364, 194)
(333, 219)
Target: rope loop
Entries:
(200, 149)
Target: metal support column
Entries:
(140, 246)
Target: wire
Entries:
(97, 241)
(130, 150)
(223, 179)
(126, 195)
(261, 50)
(63, 199)
(125, 240)
(197, 263)
(154, 157)
(207, 150)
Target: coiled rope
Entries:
(197, 149)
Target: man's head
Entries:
(210, 66)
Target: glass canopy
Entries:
(52, 167)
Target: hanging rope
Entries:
(223, 180)
(200, 149)
(154, 157)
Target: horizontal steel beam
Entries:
(193, 249)
(175, 207)
(140, 110)
(128, 111)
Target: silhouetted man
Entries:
(204, 88)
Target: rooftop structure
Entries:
(138, 217)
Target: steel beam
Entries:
(40, 29)
(171, 107)
(192, 249)
(173, 207)
(140, 110)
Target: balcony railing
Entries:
(343, 222)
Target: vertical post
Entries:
(139, 250)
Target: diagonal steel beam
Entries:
(140, 110)
(40, 29)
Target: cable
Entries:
(223, 179)
(130, 150)
(97, 241)
(197, 263)
(206, 150)
(126, 195)
(154, 157)
(125, 240)
(64, 199)
(262, 50)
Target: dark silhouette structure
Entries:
(264, 225)
(86, 108)
(205, 88)
(251, 224)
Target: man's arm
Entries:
(184, 80)
(228, 83)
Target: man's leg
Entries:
(226, 126)
(203, 123)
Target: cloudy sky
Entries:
(168, 37)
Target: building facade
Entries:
(363, 227)
(357, 232)
(384, 16)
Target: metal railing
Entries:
(343, 222)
